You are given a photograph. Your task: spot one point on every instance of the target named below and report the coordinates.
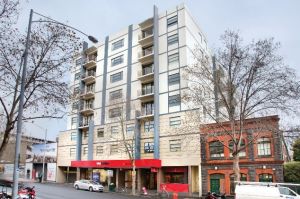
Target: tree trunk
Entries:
(236, 167)
(133, 179)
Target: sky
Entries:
(254, 19)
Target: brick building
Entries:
(262, 159)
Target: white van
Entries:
(253, 190)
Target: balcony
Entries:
(146, 74)
(146, 38)
(90, 62)
(146, 24)
(86, 108)
(88, 93)
(89, 76)
(84, 124)
(146, 113)
(146, 56)
(147, 94)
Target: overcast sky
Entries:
(254, 19)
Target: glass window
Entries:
(117, 60)
(286, 191)
(78, 61)
(116, 77)
(115, 112)
(99, 150)
(113, 149)
(174, 100)
(74, 121)
(114, 129)
(174, 79)
(148, 50)
(172, 39)
(147, 88)
(85, 150)
(148, 108)
(148, 147)
(174, 58)
(148, 69)
(77, 76)
(216, 149)
(130, 129)
(85, 135)
(75, 105)
(172, 21)
(73, 136)
(148, 126)
(175, 121)
(72, 152)
(175, 145)
(118, 44)
(76, 90)
(264, 146)
(100, 133)
(242, 153)
(265, 177)
(115, 94)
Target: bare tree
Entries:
(46, 92)
(242, 81)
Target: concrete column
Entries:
(159, 178)
(190, 179)
(78, 174)
(139, 180)
(117, 178)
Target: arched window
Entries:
(216, 149)
(232, 187)
(265, 177)
(264, 146)
(242, 153)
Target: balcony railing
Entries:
(147, 111)
(90, 73)
(148, 90)
(147, 33)
(147, 51)
(86, 106)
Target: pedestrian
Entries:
(40, 176)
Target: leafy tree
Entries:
(242, 81)
(292, 172)
(296, 150)
(52, 47)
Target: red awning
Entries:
(143, 163)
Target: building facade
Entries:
(261, 160)
(133, 82)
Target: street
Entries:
(66, 191)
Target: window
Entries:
(72, 151)
(114, 129)
(265, 177)
(118, 44)
(85, 150)
(115, 94)
(77, 76)
(73, 136)
(117, 60)
(78, 61)
(147, 88)
(172, 21)
(99, 150)
(147, 32)
(174, 58)
(85, 135)
(174, 79)
(175, 121)
(148, 108)
(148, 69)
(115, 112)
(174, 100)
(100, 133)
(75, 105)
(232, 185)
(178, 177)
(216, 149)
(148, 147)
(76, 90)
(172, 39)
(286, 191)
(175, 145)
(90, 88)
(264, 146)
(130, 129)
(113, 149)
(148, 51)
(116, 77)
(73, 121)
(242, 153)
(148, 126)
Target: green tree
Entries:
(292, 172)
(296, 150)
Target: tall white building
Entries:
(136, 73)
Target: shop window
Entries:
(174, 178)
(265, 177)
(264, 146)
(216, 149)
(242, 153)
(73, 136)
(148, 147)
(232, 185)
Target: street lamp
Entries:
(21, 102)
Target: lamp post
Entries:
(22, 91)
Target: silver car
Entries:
(88, 185)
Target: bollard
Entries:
(175, 195)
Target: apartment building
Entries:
(136, 74)
(261, 160)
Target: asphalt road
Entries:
(66, 191)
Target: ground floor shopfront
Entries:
(149, 174)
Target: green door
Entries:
(215, 185)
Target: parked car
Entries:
(252, 190)
(88, 185)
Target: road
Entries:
(66, 191)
